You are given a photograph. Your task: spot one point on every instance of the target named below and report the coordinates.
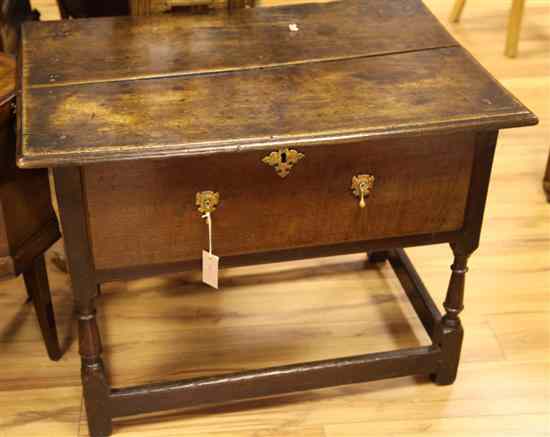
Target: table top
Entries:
(108, 89)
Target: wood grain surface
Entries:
(305, 104)
(245, 38)
(425, 192)
(322, 308)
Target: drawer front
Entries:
(144, 212)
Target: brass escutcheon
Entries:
(362, 185)
(207, 201)
(283, 160)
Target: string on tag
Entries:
(209, 223)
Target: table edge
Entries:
(77, 158)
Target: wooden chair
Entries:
(12, 13)
(514, 24)
(28, 225)
(151, 7)
(102, 8)
(92, 8)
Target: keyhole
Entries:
(283, 157)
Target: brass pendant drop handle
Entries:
(362, 185)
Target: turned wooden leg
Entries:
(379, 256)
(79, 260)
(449, 332)
(38, 290)
(94, 382)
(457, 11)
(514, 28)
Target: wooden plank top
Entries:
(106, 49)
(243, 81)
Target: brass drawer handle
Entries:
(207, 201)
(283, 160)
(361, 186)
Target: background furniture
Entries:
(514, 24)
(12, 13)
(135, 218)
(546, 180)
(151, 7)
(92, 8)
(103, 8)
(28, 225)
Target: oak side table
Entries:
(364, 127)
(28, 225)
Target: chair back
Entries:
(103, 8)
(12, 13)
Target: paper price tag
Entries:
(210, 269)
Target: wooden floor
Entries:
(176, 327)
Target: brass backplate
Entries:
(283, 160)
(362, 185)
(207, 201)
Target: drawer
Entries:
(144, 212)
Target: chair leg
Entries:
(457, 11)
(378, 256)
(514, 28)
(38, 289)
(546, 180)
(140, 7)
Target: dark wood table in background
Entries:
(366, 128)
